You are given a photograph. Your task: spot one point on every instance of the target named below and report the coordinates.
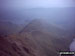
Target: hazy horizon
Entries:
(24, 11)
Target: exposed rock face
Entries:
(37, 39)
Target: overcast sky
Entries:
(38, 3)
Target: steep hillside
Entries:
(19, 45)
(49, 37)
(38, 38)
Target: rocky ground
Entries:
(36, 39)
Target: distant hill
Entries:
(38, 38)
(8, 28)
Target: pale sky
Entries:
(50, 3)
(39, 3)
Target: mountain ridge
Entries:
(36, 39)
